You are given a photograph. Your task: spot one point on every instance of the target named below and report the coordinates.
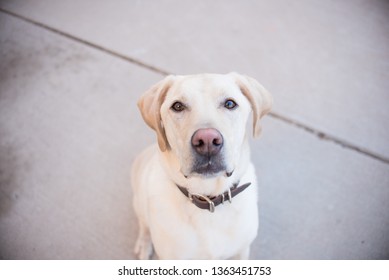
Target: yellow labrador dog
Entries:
(195, 193)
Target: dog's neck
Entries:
(209, 186)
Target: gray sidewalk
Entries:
(70, 75)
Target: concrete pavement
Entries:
(71, 72)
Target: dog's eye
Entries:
(178, 107)
(230, 104)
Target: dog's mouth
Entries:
(209, 167)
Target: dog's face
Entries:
(201, 119)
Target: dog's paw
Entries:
(143, 248)
(243, 255)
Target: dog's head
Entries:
(201, 119)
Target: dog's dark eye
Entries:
(178, 107)
(230, 104)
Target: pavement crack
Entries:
(320, 134)
(87, 43)
(327, 137)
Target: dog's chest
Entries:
(223, 237)
(199, 234)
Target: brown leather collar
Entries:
(205, 202)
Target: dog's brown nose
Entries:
(207, 141)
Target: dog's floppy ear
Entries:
(150, 104)
(260, 99)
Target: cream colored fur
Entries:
(169, 223)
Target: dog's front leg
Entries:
(143, 247)
(242, 255)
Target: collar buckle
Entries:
(211, 204)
